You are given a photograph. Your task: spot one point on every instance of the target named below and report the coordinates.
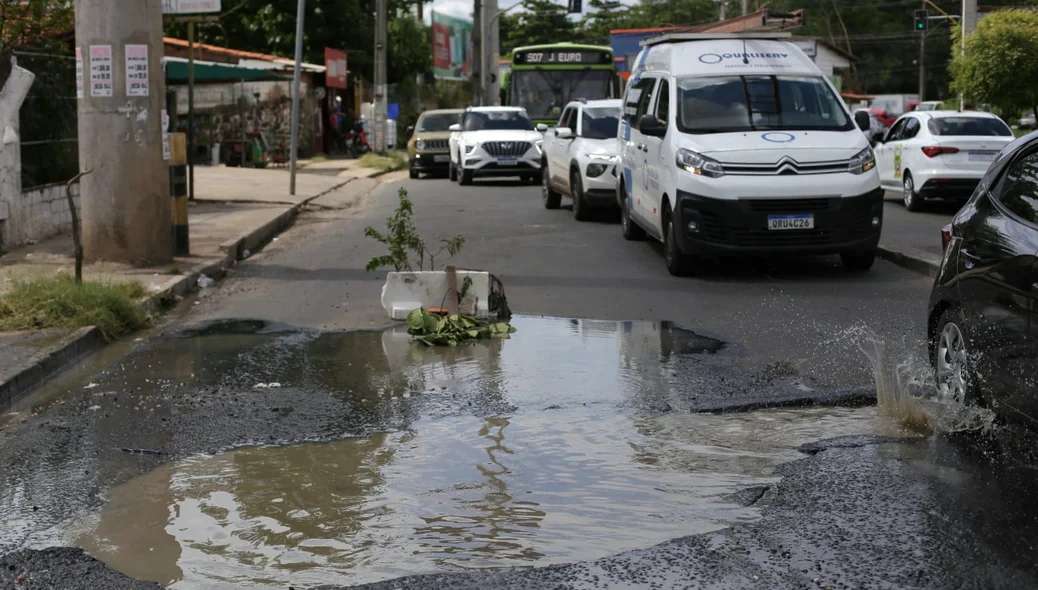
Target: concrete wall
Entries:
(37, 215)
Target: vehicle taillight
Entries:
(933, 151)
(946, 237)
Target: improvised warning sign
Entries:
(101, 70)
(136, 70)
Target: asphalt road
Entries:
(916, 230)
(799, 312)
(861, 512)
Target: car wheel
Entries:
(912, 201)
(678, 263)
(632, 232)
(581, 210)
(953, 373)
(412, 172)
(464, 177)
(551, 199)
(858, 261)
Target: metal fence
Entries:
(48, 120)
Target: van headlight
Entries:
(697, 163)
(862, 162)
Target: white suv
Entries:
(495, 141)
(580, 157)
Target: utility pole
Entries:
(296, 83)
(191, 111)
(477, 52)
(380, 76)
(724, 10)
(968, 23)
(125, 202)
(922, 66)
(745, 7)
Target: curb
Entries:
(49, 362)
(55, 359)
(911, 259)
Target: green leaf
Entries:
(416, 320)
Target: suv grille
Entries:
(506, 149)
(435, 145)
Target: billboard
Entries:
(190, 6)
(452, 47)
(335, 75)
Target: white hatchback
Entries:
(939, 154)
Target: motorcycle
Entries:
(357, 143)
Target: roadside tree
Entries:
(1000, 63)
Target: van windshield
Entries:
(727, 104)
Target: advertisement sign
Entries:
(452, 47)
(336, 75)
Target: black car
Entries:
(983, 328)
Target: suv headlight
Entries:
(539, 144)
(862, 162)
(470, 147)
(697, 163)
(602, 157)
(419, 145)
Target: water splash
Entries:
(906, 390)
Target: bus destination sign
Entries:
(554, 57)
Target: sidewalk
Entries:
(237, 211)
(913, 240)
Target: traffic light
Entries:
(921, 21)
(575, 6)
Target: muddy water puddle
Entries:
(523, 490)
(568, 442)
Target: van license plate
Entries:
(507, 161)
(803, 221)
(982, 156)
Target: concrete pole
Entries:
(968, 23)
(125, 202)
(922, 65)
(745, 7)
(191, 111)
(381, 100)
(296, 83)
(492, 87)
(477, 52)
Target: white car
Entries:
(495, 141)
(939, 154)
(580, 157)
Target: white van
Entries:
(740, 145)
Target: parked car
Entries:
(929, 105)
(939, 154)
(876, 129)
(1027, 121)
(496, 141)
(580, 157)
(428, 150)
(982, 329)
(884, 117)
(742, 146)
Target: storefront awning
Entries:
(215, 73)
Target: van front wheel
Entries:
(679, 264)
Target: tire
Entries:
(464, 177)
(631, 231)
(412, 172)
(858, 261)
(953, 370)
(452, 172)
(679, 264)
(551, 199)
(581, 210)
(913, 202)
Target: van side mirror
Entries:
(454, 128)
(651, 126)
(563, 133)
(541, 127)
(861, 118)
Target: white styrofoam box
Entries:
(406, 291)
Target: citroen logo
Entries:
(787, 165)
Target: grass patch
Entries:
(318, 159)
(174, 270)
(58, 302)
(387, 163)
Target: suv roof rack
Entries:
(681, 37)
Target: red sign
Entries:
(336, 76)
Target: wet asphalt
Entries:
(935, 512)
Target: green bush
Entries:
(58, 302)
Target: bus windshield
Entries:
(543, 93)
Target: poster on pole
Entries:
(165, 135)
(136, 70)
(79, 72)
(190, 6)
(101, 70)
(336, 74)
(452, 47)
